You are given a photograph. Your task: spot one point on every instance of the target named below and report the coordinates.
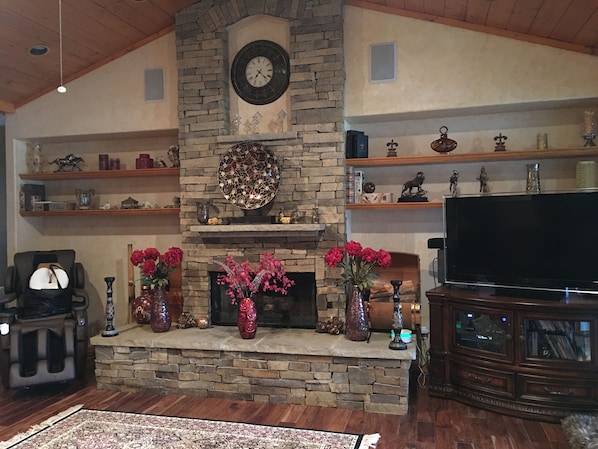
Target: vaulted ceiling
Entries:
(96, 32)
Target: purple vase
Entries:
(160, 320)
(356, 325)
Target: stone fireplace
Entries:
(297, 366)
(309, 151)
(296, 309)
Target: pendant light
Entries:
(61, 89)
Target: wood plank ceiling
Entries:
(98, 31)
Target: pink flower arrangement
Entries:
(358, 264)
(156, 267)
(243, 280)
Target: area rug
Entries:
(93, 429)
(581, 431)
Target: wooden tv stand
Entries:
(531, 358)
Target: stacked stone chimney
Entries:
(310, 154)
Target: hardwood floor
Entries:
(432, 423)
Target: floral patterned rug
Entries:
(93, 429)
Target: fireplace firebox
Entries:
(297, 309)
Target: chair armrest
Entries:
(83, 304)
(8, 315)
(7, 299)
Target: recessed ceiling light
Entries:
(38, 50)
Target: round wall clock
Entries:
(260, 72)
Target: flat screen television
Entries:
(525, 243)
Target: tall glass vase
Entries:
(247, 318)
(160, 320)
(356, 321)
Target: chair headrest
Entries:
(49, 277)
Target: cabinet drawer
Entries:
(482, 379)
(549, 389)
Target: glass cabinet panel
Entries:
(482, 330)
(552, 339)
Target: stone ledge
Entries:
(259, 230)
(268, 340)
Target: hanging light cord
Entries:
(61, 88)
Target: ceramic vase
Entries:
(247, 318)
(142, 306)
(160, 320)
(356, 321)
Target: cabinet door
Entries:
(483, 330)
(557, 340)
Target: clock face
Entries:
(260, 72)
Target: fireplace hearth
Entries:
(297, 309)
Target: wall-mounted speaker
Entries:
(154, 84)
(383, 63)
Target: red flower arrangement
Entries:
(358, 264)
(155, 267)
(243, 280)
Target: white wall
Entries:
(109, 100)
(441, 67)
(477, 85)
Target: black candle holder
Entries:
(397, 318)
(109, 331)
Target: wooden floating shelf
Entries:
(452, 158)
(101, 174)
(164, 211)
(394, 206)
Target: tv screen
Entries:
(539, 242)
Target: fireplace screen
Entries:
(297, 309)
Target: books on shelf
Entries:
(567, 340)
(356, 144)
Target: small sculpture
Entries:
(407, 193)
(369, 187)
(392, 148)
(70, 161)
(281, 120)
(444, 144)
(315, 215)
(295, 217)
(454, 181)
(36, 163)
(203, 211)
(173, 156)
(500, 142)
(236, 125)
(129, 203)
(483, 178)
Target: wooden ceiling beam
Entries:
(6, 107)
(473, 27)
